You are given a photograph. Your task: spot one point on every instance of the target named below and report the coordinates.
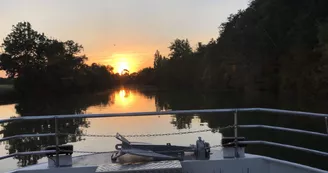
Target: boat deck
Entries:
(105, 159)
(250, 163)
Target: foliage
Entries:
(42, 64)
(180, 69)
(145, 76)
(273, 45)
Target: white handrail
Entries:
(286, 146)
(284, 129)
(28, 153)
(231, 110)
(239, 126)
(26, 136)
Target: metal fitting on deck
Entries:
(230, 149)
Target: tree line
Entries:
(273, 45)
(38, 64)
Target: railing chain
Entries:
(89, 152)
(151, 135)
(110, 152)
(216, 146)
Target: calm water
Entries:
(132, 100)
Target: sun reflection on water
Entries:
(124, 97)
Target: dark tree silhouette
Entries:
(39, 64)
(273, 45)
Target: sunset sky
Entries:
(121, 33)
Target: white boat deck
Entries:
(217, 164)
(105, 159)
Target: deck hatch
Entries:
(172, 166)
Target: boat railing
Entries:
(235, 127)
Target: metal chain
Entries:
(110, 152)
(216, 146)
(94, 152)
(155, 134)
(93, 135)
(146, 135)
(88, 152)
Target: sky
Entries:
(121, 33)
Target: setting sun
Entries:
(122, 66)
(121, 61)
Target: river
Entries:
(148, 99)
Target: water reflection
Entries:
(76, 104)
(117, 100)
(148, 99)
(124, 97)
(182, 121)
(35, 144)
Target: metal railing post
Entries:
(57, 141)
(236, 134)
(326, 120)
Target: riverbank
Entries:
(6, 88)
(7, 94)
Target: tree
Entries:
(273, 45)
(180, 48)
(40, 64)
(125, 72)
(157, 60)
(145, 76)
(23, 48)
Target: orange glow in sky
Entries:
(122, 66)
(123, 34)
(129, 61)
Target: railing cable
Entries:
(151, 135)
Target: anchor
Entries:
(160, 152)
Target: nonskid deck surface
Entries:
(105, 159)
(251, 163)
(163, 166)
